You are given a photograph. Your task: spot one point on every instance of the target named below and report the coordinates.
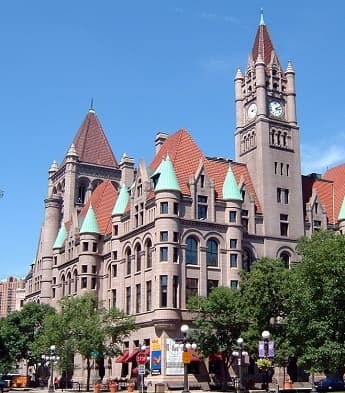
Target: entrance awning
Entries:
(123, 357)
(195, 358)
(132, 355)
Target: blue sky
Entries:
(153, 65)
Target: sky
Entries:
(149, 66)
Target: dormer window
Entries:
(202, 181)
(202, 207)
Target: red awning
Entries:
(122, 358)
(132, 355)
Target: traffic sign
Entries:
(141, 369)
(141, 358)
(186, 357)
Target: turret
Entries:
(291, 94)
(70, 183)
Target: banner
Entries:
(156, 356)
(174, 364)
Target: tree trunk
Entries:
(88, 368)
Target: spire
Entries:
(167, 180)
(342, 211)
(262, 45)
(122, 201)
(90, 224)
(262, 22)
(230, 187)
(91, 110)
(61, 237)
(289, 68)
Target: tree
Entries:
(316, 307)
(87, 328)
(263, 293)
(19, 332)
(218, 324)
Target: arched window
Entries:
(128, 261)
(212, 253)
(191, 250)
(75, 280)
(63, 283)
(148, 252)
(138, 257)
(247, 260)
(285, 257)
(69, 283)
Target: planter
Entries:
(288, 385)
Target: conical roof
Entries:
(91, 143)
(90, 224)
(61, 237)
(230, 187)
(167, 180)
(122, 201)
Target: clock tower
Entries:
(267, 140)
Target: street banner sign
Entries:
(186, 357)
(141, 369)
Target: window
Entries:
(93, 282)
(113, 298)
(85, 246)
(232, 216)
(84, 282)
(163, 254)
(247, 260)
(210, 285)
(202, 207)
(279, 195)
(114, 255)
(191, 287)
(233, 260)
(75, 279)
(286, 197)
(138, 257)
(128, 261)
(175, 291)
(212, 253)
(284, 225)
(234, 284)
(138, 298)
(176, 208)
(175, 237)
(285, 257)
(191, 251)
(282, 195)
(202, 181)
(128, 300)
(245, 220)
(148, 295)
(93, 269)
(84, 268)
(94, 247)
(164, 236)
(164, 291)
(233, 243)
(164, 207)
(115, 230)
(55, 260)
(175, 254)
(114, 270)
(53, 293)
(148, 251)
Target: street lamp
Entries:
(266, 351)
(143, 350)
(50, 360)
(240, 353)
(186, 346)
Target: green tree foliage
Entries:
(19, 333)
(84, 326)
(263, 293)
(316, 307)
(218, 324)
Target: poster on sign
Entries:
(174, 363)
(156, 356)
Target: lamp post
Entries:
(186, 356)
(266, 353)
(143, 351)
(239, 354)
(50, 360)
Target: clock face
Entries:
(275, 108)
(252, 111)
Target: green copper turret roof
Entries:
(167, 180)
(90, 224)
(342, 211)
(122, 201)
(61, 237)
(230, 187)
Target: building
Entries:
(11, 295)
(145, 238)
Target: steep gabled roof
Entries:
(230, 187)
(337, 176)
(184, 154)
(91, 144)
(103, 200)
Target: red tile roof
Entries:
(337, 176)
(91, 143)
(103, 200)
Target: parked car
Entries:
(4, 386)
(330, 384)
